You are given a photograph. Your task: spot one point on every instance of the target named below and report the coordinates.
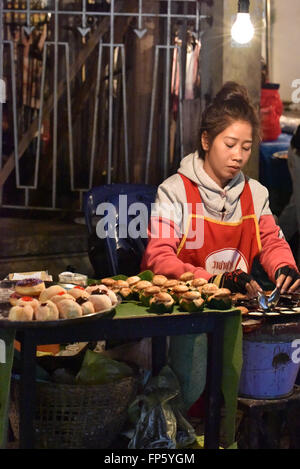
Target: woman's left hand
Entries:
(287, 279)
(237, 281)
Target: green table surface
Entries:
(132, 309)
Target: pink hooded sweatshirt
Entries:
(220, 204)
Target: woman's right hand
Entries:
(253, 288)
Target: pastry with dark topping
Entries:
(99, 291)
(78, 292)
(30, 287)
(14, 297)
(89, 290)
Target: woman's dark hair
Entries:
(231, 103)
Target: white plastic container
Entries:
(73, 277)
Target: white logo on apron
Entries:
(225, 260)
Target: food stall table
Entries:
(127, 323)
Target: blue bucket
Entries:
(268, 370)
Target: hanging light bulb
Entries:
(242, 30)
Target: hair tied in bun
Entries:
(232, 91)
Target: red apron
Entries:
(223, 246)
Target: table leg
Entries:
(159, 354)
(27, 391)
(213, 386)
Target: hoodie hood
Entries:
(215, 198)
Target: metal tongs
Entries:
(267, 302)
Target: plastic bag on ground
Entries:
(157, 415)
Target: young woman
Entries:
(221, 219)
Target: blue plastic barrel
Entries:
(268, 371)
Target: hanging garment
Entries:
(191, 74)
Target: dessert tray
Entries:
(7, 287)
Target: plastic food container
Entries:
(72, 277)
